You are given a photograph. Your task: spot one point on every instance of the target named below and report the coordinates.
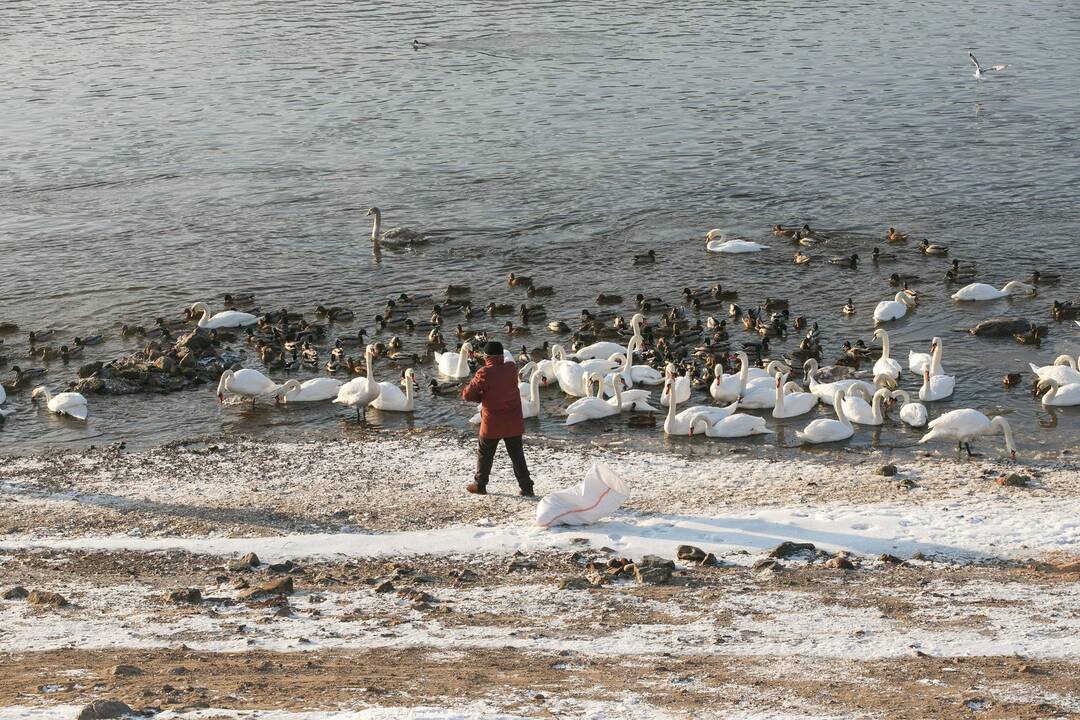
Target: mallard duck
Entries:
(558, 326)
(444, 388)
(774, 304)
(720, 293)
(895, 235)
(800, 258)
(642, 420)
(1041, 278)
(457, 290)
(66, 353)
(849, 262)
(780, 231)
(518, 280)
(877, 256)
(849, 308)
(493, 308)
(608, 299)
(540, 291)
(645, 258)
(927, 249)
(1032, 337)
(1012, 379)
(89, 340)
(510, 329)
(897, 279)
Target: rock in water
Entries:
(689, 552)
(16, 593)
(653, 570)
(104, 710)
(788, 548)
(41, 597)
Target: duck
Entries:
(1041, 278)
(22, 376)
(885, 365)
(894, 235)
(440, 388)
(67, 353)
(1059, 395)
(826, 430)
(965, 425)
(1012, 379)
(808, 240)
(558, 326)
(888, 310)
(849, 308)
(898, 279)
(912, 414)
(737, 425)
(608, 299)
(862, 408)
(88, 340)
(416, 44)
(720, 293)
(781, 231)
(515, 330)
(540, 291)
(391, 397)
(454, 364)
(334, 314)
(39, 335)
(518, 280)
(395, 236)
(647, 258)
(246, 382)
(790, 400)
(981, 291)
(1064, 370)
(927, 249)
(493, 309)
(936, 387)
(720, 245)
(71, 404)
(800, 258)
(877, 256)
(1033, 336)
(359, 392)
(313, 390)
(852, 261)
(223, 319)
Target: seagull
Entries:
(978, 68)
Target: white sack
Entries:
(600, 494)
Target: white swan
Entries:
(3, 399)
(936, 387)
(918, 362)
(400, 235)
(965, 425)
(246, 383)
(826, 391)
(627, 400)
(732, 246)
(358, 392)
(313, 390)
(885, 365)
(826, 430)
(912, 413)
(681, 423)
(454, 364)
(1064, 370)
(859, 411)
(642, 374)
(392, 398)
(71, 404)
(224, 319)
(728, 388)
(894, 309)
(790, 400)
(603, 349)
(1060, 395)
(680, 386)
(733, 426)
(594, 408)
(982, 291)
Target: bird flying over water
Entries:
(979, 69)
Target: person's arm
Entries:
(474, 391)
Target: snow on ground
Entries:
(972, 530)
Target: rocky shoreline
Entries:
(226, 578)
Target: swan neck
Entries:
(376, 223)
(885, 345)
(838, 403)
(1001, 424)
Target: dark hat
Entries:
(493, 348)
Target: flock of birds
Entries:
(611, 366)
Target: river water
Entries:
(154, 155)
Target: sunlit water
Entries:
(154, 155)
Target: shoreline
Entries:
(923, 584)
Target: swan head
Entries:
(39, 391)
(285, 388)
(225, 377)
(373, 211)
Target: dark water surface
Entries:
(154, 155)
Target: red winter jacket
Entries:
(495, 387)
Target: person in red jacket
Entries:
(495, 387)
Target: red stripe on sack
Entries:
(577, 510)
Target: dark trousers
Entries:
(485, 456)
